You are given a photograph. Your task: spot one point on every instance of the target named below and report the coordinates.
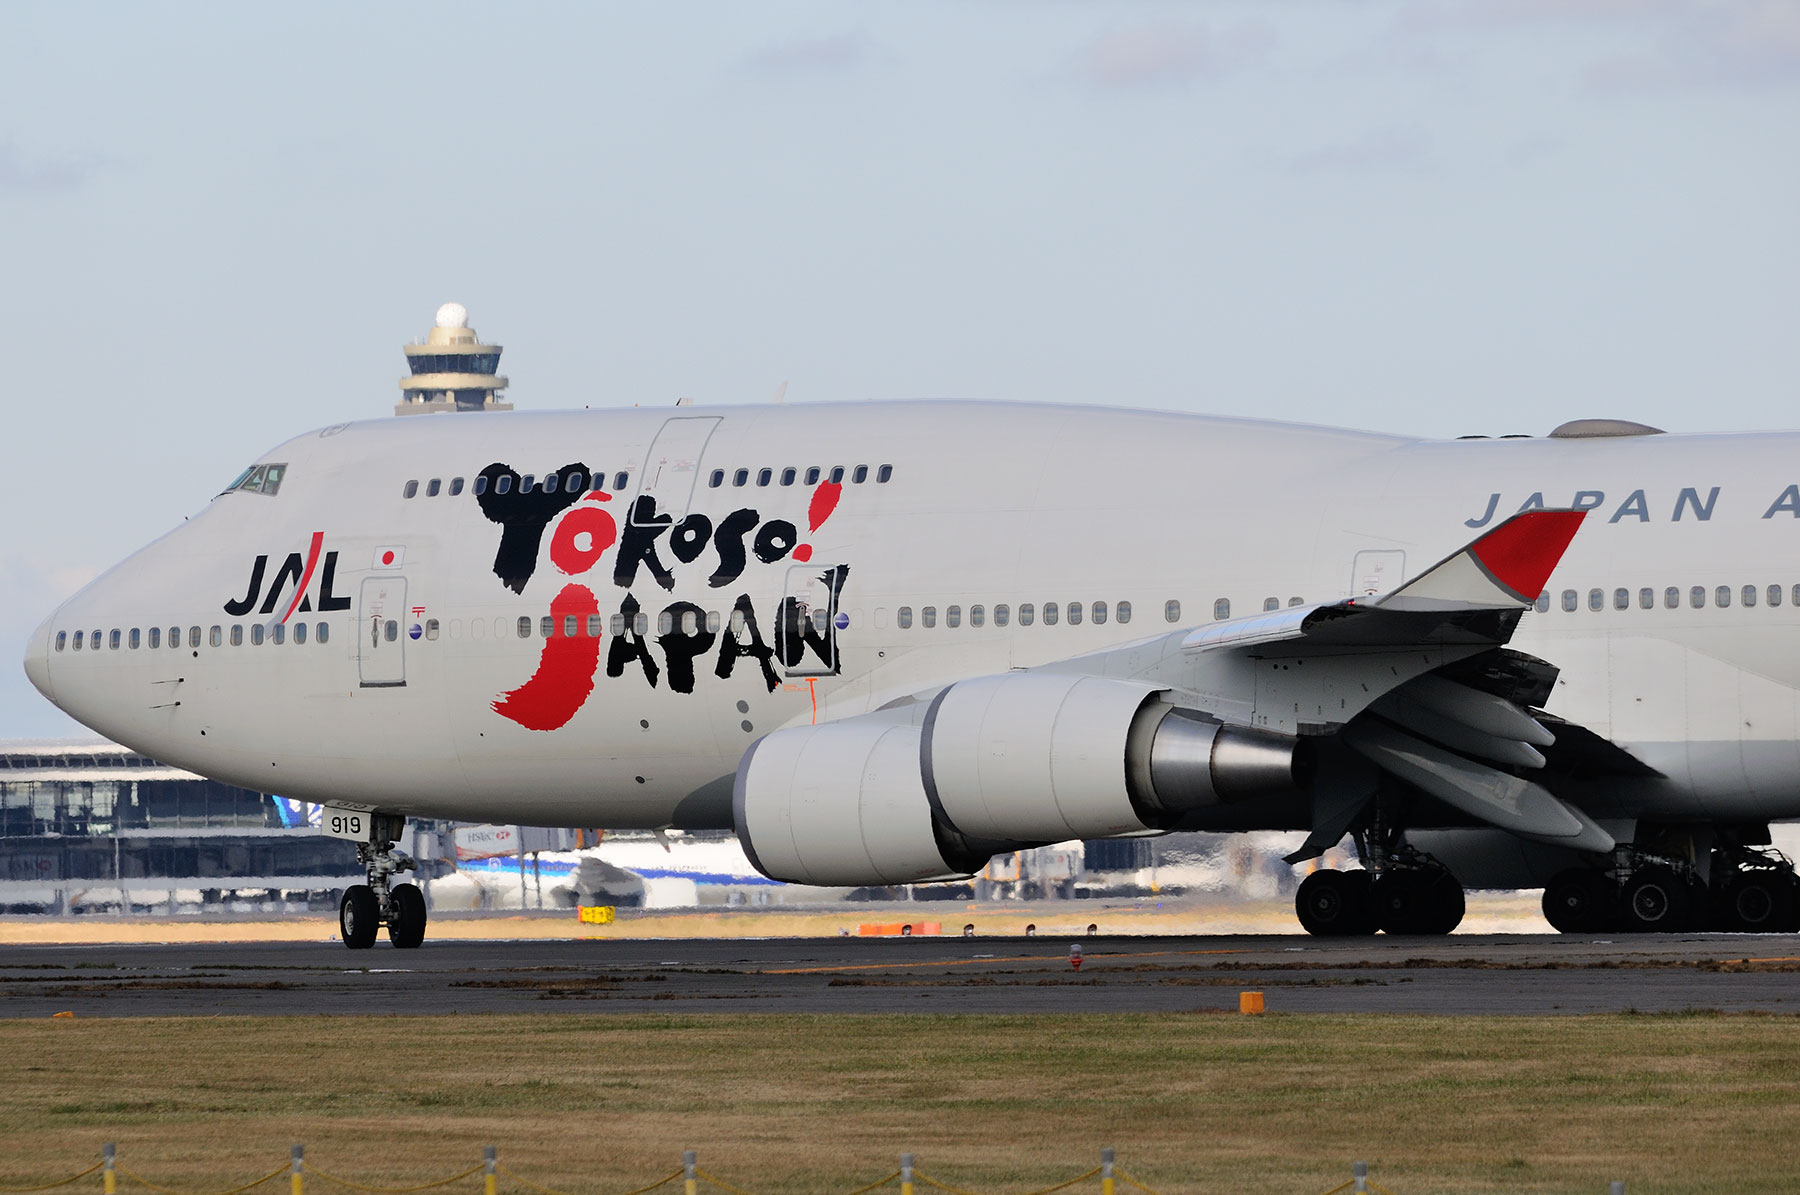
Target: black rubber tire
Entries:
(359, 916)
(1656, 901)
(1580, 901)
(1445, 905)
(1757, 902)
(406, 929)
(1334, 904)
(1421, 901)
(1399, 895)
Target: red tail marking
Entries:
(1523, 551)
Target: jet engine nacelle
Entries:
(842, 805)
(1001, 762)
(1046, 757)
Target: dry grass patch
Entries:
(819, 1105)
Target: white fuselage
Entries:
(985, 506)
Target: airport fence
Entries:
(908, 1177)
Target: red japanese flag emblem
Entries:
(389, 557)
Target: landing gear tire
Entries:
(1579, 901)
(1426, 901)
(359, 916)
(366, 907)
(1656, 901)
(1334, 904)
(406, 926)
(1757, 902)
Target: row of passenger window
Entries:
(1722, 596)
(136, 637)
(1027, 613)
(1052, 613)
(592, 626)
(574, 482)
(791, 474)
(577, 482)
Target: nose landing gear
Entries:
(367, 907)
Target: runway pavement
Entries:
(1457, 975)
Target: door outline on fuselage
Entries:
(672, 465)
(1378, 570)
(381, 651)
(806, 634)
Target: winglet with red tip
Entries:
(1507, 567)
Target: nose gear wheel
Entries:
(365, 908)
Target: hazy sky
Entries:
(218, 224)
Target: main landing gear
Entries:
(1752, 890)
(1404, 892)
(1420, 900)
(367, 907)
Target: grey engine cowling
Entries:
(995, 764)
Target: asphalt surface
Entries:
(1450, 976)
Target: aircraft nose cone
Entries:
(37, 660)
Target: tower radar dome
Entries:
(451, 369)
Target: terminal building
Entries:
(89, 827)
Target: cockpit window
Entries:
(259, 479)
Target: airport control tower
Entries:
(450, 370)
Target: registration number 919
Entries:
(338, 822)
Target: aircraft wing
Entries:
(1475, 595)
(1410, 680)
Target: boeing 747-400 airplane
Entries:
(885, 641)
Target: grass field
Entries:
(995, 1104)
